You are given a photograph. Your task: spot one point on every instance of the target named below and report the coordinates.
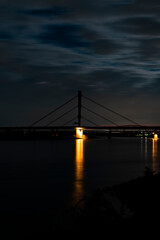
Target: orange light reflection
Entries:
(79, 171)
(155, 155)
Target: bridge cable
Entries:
(61, 116)
(108, 109)
(89, 121)
(69, 121)
(48, 114)
(100, 115)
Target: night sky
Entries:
(109, 49)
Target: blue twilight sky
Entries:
(109, 49)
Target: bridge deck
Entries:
(120, 127)
(69, 131)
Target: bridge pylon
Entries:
(79, 129)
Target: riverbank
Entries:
(133, 206)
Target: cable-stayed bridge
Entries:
(76, 114)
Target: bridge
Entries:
(47, 126)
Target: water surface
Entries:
(45, 177)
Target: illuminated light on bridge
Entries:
(79, 133)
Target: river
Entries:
(47, 177)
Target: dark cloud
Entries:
(150, 49)
(104, 47)
(140, 26)
(5, 36)
(46, 12)
(65, 35)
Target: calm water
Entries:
(48, 176)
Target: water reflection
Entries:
(79, 171)
(146, 150)
(155, 155)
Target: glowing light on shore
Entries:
(155, 136)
